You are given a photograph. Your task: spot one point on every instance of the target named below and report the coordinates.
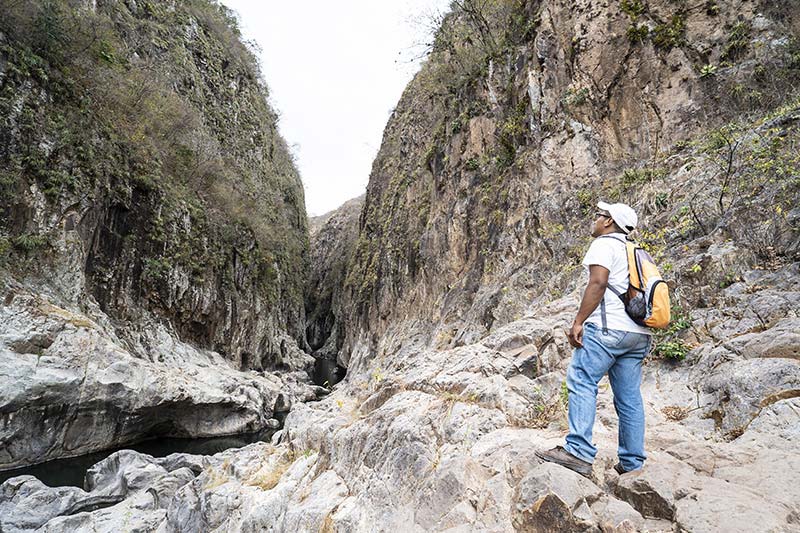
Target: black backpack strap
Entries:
(623, 240)
(615, 291)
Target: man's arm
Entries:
(595, 289)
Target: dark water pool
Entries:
(327, 373)
(70, 472)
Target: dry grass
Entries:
(675, 412)
(546, 413)
(269, 475)
(78, 321)
(268, 478)
(327, 524)
(217, 478)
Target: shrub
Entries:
(28, 242)
(140, 129)
(575, 97)
(738, 41)
(5, 248)
(707, 71)
(661, 200)
(512, 133)
(156, 269)
(638, 33)
(676, 350)
(632, 8)
(670, 34)
(639, 176)
(668, 343)
(563, 395)
(586, 199)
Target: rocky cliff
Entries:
(153, 235)
(333, 237)
(444, 439)
(142, 167)
(465, 273)
(525, 115)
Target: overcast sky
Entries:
(335, 72)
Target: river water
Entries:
(70, 472)
(327, 373)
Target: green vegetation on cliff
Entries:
(525, 114)
(145, 128)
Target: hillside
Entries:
(142, 167)
(153, 234)
(528, 113)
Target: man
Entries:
(606, 340)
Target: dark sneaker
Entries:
(560, 456)
(620, 470)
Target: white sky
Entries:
(335, 69)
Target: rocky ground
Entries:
(444, 440)
(70, 386)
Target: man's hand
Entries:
(575, 335)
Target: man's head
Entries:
(611, 218)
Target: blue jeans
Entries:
(620, 353)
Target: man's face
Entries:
(601, 220)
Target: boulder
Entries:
(123, 472)
(69, 386)
(739, 390)
(26, 503)
(654, 490)
(127, 491)
(554, 499)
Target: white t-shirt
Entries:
(612, 254)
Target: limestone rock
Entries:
(154, 241)
(333, 237)
(465, 225)
(462, 275)
(68, 386)
(776, 423)
(741, 389)
(654, 490)
(126, 491)
(123, 472)
(552, 498)
(26, 503)
(438, 442)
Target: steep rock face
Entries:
(333, 237)
(153, 237)
(524, 116)
(443, 437)
(142, 167)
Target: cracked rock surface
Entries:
(69, 386)
(445, 440)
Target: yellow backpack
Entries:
(647, 298)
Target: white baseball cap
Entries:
(623, 215)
